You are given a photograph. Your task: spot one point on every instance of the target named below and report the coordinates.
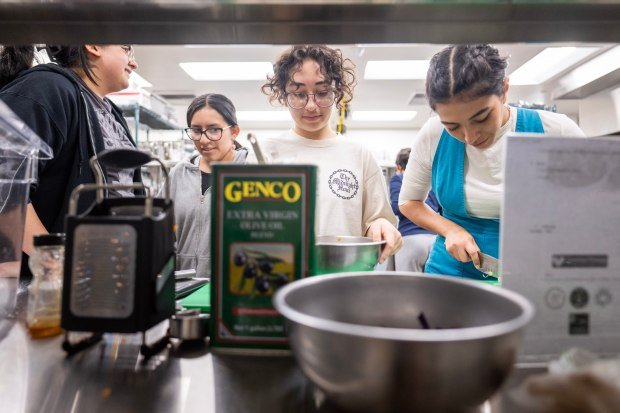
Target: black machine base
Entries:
(146, 350)
(74, 348)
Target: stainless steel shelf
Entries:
(287, 22)
(147, 117)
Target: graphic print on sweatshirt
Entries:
(343, 183)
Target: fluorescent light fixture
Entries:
(592, 70)
(227, 70)
(139, 81)
(396, 69)
(383, 115)
(263, 115)
(549, 63)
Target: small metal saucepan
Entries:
(346, 253)
(189, 325)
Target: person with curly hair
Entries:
(459, 153)
(352, 199)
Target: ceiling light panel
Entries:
(396, 69)
(548, 63)
(594, 69)
(205, 71)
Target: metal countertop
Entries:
(36, 376)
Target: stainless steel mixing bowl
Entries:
(403, 342)
(346, 253)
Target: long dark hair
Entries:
(465, 72)
(15, 59)
(74, 56)
(220, 103)
(333, 67)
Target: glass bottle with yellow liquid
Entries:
(45, 291)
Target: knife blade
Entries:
(488, 265)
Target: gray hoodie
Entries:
(192, 214)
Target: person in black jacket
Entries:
(66, 105)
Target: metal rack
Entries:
(147, 117)
(288, 22)
(151, 172)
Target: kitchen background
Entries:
(590, 98)
(581, 80)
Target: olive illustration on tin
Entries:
(240, 258)
(261, 284)
(258, 267)
(265, 265)
(250, 271)
(281, 280)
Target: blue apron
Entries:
(448, 179)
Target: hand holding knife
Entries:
(488, 265)
(462, 246)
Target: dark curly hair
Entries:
(333, 66)
(465, 72)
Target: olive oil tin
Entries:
(262, 239)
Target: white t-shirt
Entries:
(351, 189)
(484, 180)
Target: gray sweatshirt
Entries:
(192, 214)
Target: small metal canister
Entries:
(189, 325)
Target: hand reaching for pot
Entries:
(382, 229)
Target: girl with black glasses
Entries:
(212, 126)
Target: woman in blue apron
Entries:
(459, 153)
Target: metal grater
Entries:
(119, 257)
(109, 291)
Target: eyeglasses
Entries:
(128, 49)
(299, 100)
(213, 134)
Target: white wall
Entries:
(599, 114)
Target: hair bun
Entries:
(479, 50)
